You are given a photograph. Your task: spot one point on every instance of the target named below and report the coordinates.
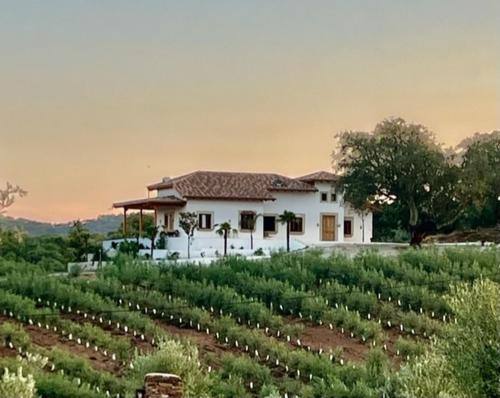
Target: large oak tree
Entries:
(401, 163)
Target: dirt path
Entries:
(144, 346)
(352, 349)
(207, 344)
(322, 337)
(48, 339)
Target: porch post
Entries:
(140, 223)
(124, 222)
(156, 218)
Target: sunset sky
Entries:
(99, 99)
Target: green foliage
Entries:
(17, 385)
(48, 253)
(176, 358)
(58, 386)
(75, 271)
(258, 252)
(481, 163)
(229, 388)
(350, 293)
(160, 278)
(286, 218)
(465, 362)
(81, 241)
(398, 162)
(188, 221)
(401, 172)
(223, 230)
(15, 334)
(409, 347)
(247, 369)
(269, 391)
(428, 376)
(473, 346)
(48, 385)
(376, 368)
(78, 367)
(133, 226)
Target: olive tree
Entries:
(465, 360)
(17, 385)
(188, 221)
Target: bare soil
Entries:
(332, 339)
(49, 339)
(6, 352)
(353, 349)
(206, 343)
(144, 346)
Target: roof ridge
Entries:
(236, 172)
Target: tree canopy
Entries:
(401, 165)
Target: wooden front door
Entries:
(328, 223)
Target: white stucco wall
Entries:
(227, 211)
(308, 204)
(359, 223)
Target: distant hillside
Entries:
(102, 225)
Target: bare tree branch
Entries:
(9, 194)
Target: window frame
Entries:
(332, 196)
(211, 214)
(171, 220)
(243, 212)
(275, 216)
(321, 197)
(303, 217)
(351, 220)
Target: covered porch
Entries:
(167, 204)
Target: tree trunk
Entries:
(288, 236)
(416, 236)
(251, 240)
(152, 247)
(413, 212)
(225, 243)
(189, 247)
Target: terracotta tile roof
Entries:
(324, 176)
(229, 185)
(150, 203)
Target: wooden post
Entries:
(124, 222)
(140, 223)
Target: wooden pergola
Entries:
(146, 204)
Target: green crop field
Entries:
(300, 325)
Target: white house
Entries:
(216, 197)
